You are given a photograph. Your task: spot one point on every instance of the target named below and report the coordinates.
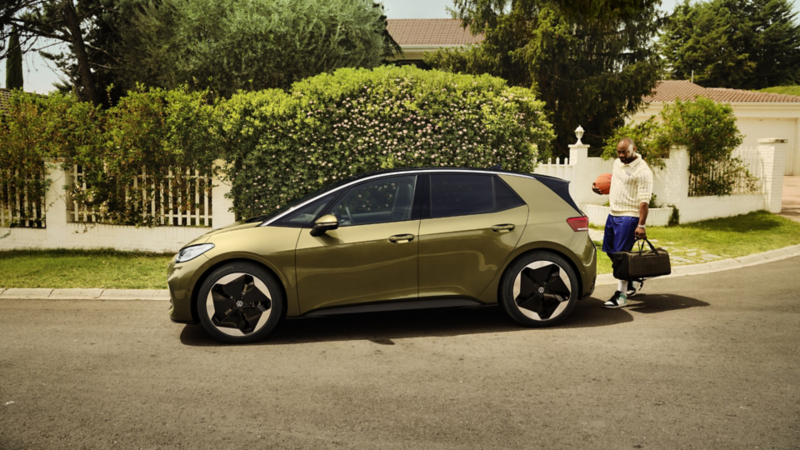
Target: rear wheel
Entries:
(240, 302)
(539, 289)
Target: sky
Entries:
(39, 75)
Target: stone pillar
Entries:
(772, 152)
(55, 201)
(222, 206)
(580, 188)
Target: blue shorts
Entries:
(620, 233)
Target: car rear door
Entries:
(371, 257)
(469, 227)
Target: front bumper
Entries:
(181, 280)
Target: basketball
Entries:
(603, 182)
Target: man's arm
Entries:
(640, 232)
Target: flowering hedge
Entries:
(280, 145)
(283, 145)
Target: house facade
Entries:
(417, 36)
(758, 114)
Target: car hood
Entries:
(240, 225)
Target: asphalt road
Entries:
(709, 361)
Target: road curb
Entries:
(717, 266)
(602, 280)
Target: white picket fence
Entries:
(14, 201)
(561, 168)
(752, 160)
(170, 203)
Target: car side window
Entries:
(378, 201)
(505, 197)
(461, 194)
(304, 216)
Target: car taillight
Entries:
(579, 223)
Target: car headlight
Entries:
(192, 252)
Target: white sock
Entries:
(622, 286)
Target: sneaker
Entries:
(634, 287)
(617, 301)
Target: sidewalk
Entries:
(605, 279)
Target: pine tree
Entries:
(14, 62)
(590, 61)
(742, 44)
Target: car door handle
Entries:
(503, 227)
(401, 238)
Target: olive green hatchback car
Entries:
(402, 239)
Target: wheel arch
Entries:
(533, 249)
(202, 278)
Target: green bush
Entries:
(149, 133)
(153, 137)
(33, 128)
(280, 145)
(333, 126)
(707, 129)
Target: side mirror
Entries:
(325, 223)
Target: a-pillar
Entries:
(772, 152)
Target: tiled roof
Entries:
(431, 32)
(735, 96)
(669, 90)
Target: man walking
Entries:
(631, 189)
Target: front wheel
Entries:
(240, 302)
(540, 289)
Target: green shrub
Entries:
(153, 137)
(333, 126)
(149, 133)
(33, 128)
(707, 129)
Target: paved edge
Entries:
(715, 266)
(602, 280)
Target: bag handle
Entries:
(641, 246)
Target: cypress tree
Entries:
(14, 62)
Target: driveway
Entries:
(708, 361)
(790, 205)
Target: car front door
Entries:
(371, 256)
(472, 224)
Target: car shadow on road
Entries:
(382, 328)
(655, 303)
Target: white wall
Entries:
(671, 185)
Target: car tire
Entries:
(240, 302)
(539, 289)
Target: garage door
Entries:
(755, 129)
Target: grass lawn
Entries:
(743, 235)
(723, 238)
(790, 90)
(83, 269)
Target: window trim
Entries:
(269, 222)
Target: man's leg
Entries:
(620, 239)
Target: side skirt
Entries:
(400, 305)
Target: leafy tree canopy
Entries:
(228, 45)
(590, 61)
(740, 44)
